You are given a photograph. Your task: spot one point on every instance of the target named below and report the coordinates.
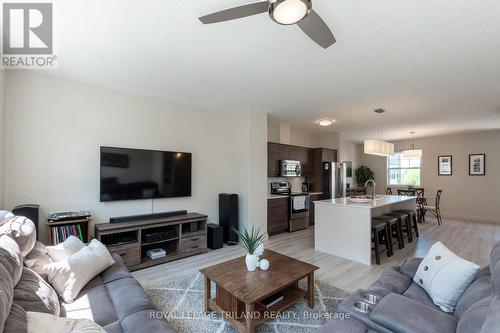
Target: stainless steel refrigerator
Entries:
(334, 179)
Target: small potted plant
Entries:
(252, 242)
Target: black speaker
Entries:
(214, 240)
(228, 217)
(29, 211)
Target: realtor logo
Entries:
(27, 35)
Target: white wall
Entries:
(55, 127)
(2, 135)
(286, 134)
(464, 196)
(351, 151)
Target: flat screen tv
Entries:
(128, 174)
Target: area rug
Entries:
(181, 303)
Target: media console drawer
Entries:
(189, 244)
(129, 253)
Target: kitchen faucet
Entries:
(374, 185)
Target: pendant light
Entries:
(378, 147)
(412, 152)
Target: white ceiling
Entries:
(434, 65)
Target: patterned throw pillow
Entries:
(445, 276)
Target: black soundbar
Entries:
(130, 218)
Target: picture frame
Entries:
(445, 165)
(477, 164)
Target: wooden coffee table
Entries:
(238, 290)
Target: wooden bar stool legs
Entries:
(380, 228)
(412, 217)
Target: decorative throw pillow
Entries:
(65, 249)
(45, 323)
(445, 276)
(33, 293)
(37, 259)
(70, 275)
(22, 230)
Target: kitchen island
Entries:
(343, 227)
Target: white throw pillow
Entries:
(38, 322)
(70, 275)
(63, 250)
(445, 276)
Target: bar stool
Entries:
(395, 232)
(412, 216)
(404, 224)
(379, 227)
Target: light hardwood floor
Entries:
(470, 240)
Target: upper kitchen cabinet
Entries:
(277, 152)
(326, 155)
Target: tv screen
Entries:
(128, 174)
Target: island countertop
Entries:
(382, 200)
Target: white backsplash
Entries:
(295, 182)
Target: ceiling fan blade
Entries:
(314, 26)
(236, 12)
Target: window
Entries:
(403, 170)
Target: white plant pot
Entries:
(252, 262)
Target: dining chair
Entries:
(388, 191)
(409, 193)
(434, 210)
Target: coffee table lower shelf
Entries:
(246, 323)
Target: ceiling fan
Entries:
(285, 12)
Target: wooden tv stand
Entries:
(187, 236)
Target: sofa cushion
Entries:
(495, 268)
(410, 266)
(92, 303)
(479, 289)
(473, 319)
(420, 295)
(393, 281)
(37, 259)
(46, 323)
(128, 297)
(22, 230)
(492, 322)
(16, 321)
(445, 276)
(115, 272)
(65, 249)
(69, 276)
(33, 293)
(348, 325)
(10, 273)
(403, 315)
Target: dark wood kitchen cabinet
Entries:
(320, 155)
(277, 216)
(277, 152)
(312, 198)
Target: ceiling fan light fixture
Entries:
(289, 12)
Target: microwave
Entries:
(289, 168)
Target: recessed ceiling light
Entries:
(325, 122)
(289, 11)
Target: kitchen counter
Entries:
(278, 196)
(343, 228)
(381, 201)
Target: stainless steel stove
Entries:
(298, 205)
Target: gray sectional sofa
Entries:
(113, 299)
(405, 307)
